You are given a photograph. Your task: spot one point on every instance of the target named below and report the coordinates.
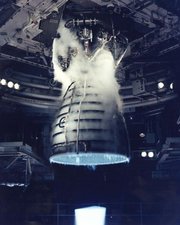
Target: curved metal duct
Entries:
(88, 129)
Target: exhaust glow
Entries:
(91, 159)
(93, 215)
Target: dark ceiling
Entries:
(27, 30)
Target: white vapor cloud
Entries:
(99, 71)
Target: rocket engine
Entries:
(89, 128)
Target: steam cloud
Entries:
(99, 71)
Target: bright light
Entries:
(171, 86)
(150, 154)
(13, 184)
(3, 82)
(142, 135)
(10, 84)
(160, 85)
(93, 215)
(143, 154)
(16, 86)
